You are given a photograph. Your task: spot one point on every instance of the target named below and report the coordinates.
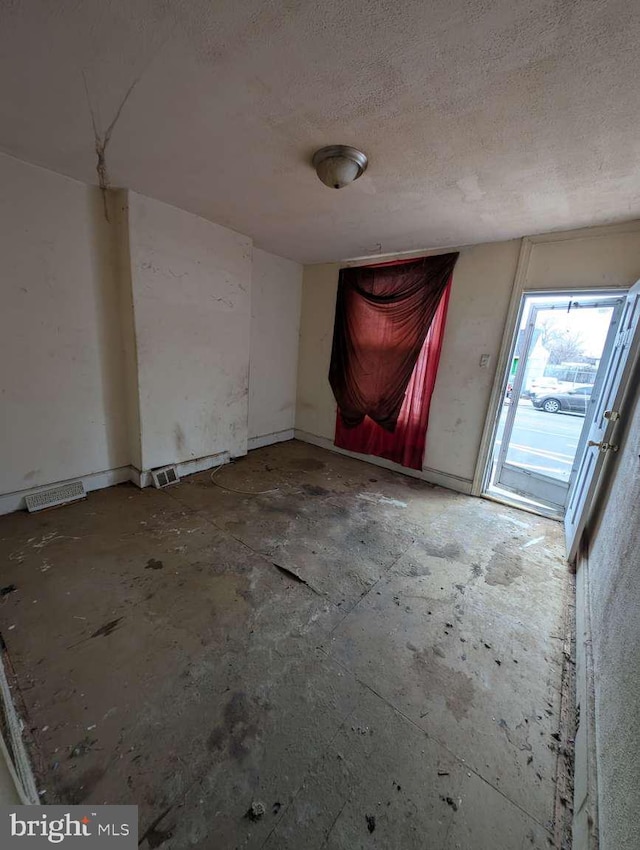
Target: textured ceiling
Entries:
(482, 119)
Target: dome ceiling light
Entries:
(339, 165)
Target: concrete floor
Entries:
(403, 694)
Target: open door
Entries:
(538, 442)
(605, 422)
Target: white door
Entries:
(601, 439)
(537, 469)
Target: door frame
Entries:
(587, 300)
(513, 319)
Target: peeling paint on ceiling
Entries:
(482, 119)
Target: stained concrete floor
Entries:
(403, 694)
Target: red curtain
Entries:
(387, 342)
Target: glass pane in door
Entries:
(559, 374)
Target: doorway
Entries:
(559, 353)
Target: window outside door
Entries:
(561, 351)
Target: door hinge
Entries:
(612, 415)
(603, 447)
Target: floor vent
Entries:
(61, 495)
(165, 476)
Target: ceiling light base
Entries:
(339, 165)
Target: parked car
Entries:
(546, 385)
(573, 401)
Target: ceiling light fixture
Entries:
(339, 165)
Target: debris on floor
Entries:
(179, 608)
(450, 802)
(82, 748)
(256, 810)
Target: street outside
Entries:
(543, 442)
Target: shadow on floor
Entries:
(375, 660)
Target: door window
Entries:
(560, 349)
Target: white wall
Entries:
(125, 344)
(129, 342)
(63, 411)
(191, 283)
(276, 294)
(609, 572)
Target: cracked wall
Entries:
(63, 408)
(126, 340)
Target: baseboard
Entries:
(10, 502)
(432, 476)
(585, 812)
(270, 439)
(143, 478)
(444, 479)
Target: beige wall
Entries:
(591, 258)
(488, 283)
(475, 323)
(481, 306)
(477, 309)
